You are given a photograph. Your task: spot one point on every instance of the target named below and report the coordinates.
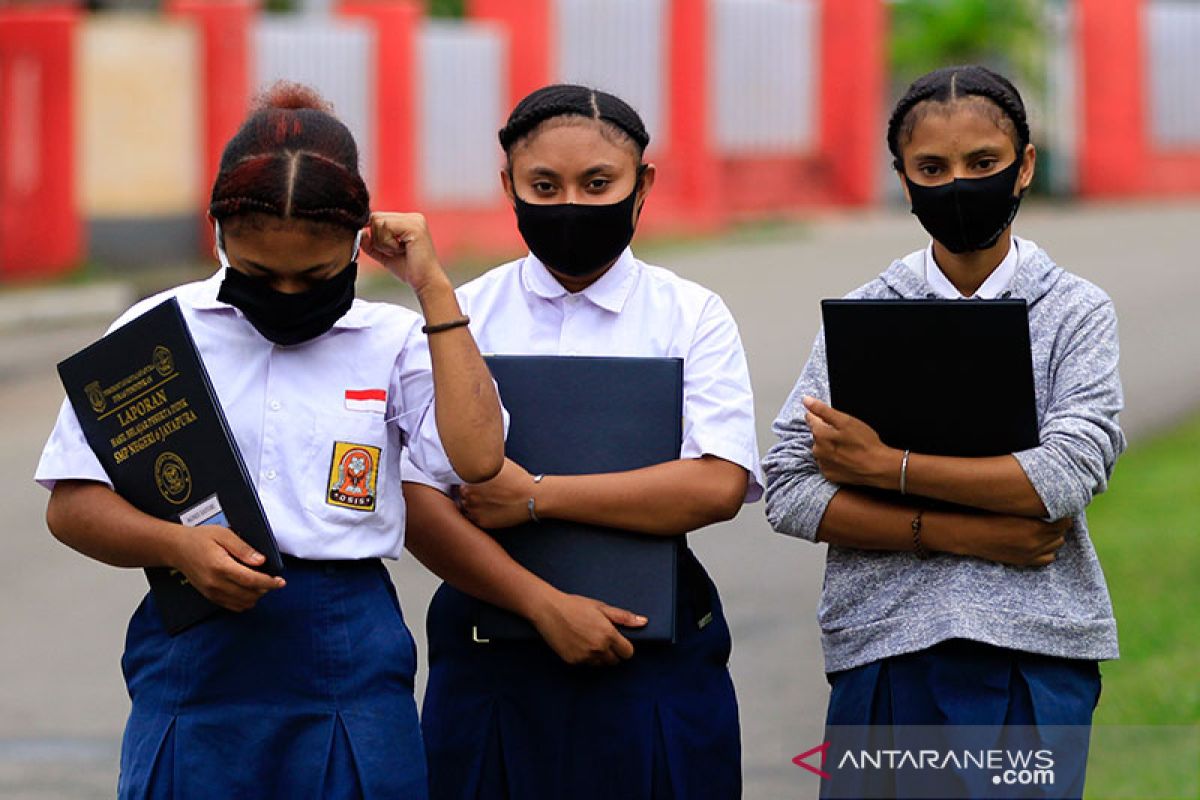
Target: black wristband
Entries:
(461, 322)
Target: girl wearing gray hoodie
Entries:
(995, 615)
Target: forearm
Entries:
(850, 453)
(465, 403)
(468, 558)
(94, 520)
(855, 519)
(992, 484)
(858, 520)
(665, 499)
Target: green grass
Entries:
(1146, 530)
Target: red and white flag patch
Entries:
(374, 400)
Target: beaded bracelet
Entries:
(918, 548)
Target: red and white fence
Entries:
(754, 106)
(40, 228)
(1140, 120)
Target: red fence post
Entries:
(396, 96)
(690, 150)
(41, 232)
(225, 53)
(853, 35)
(1113, 148)
(531, 41)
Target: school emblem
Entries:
(353, 472)
(163, 361)
(173, 478)
(95, 396)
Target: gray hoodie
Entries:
(877, 604)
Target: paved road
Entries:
(62, 618)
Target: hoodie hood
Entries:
(1036, 275)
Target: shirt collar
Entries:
(205, 299)
(991, 288)
(205, 296)
(610, 292)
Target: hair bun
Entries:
(292, 159)
(289, 95)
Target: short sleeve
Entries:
(412, 386)
(414, 414)
(411, 473)
(718, 403)
(67, 455)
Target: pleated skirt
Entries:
(513, 721)
(308, 695)
(963, 696)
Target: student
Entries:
(583, 715)
(931, 616)
(305, 690)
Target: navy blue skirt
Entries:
(512, 720)
(307, 695)
(963, 695)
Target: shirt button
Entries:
(270, 474)
(275, 405)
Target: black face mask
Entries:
(967, 213)
(288, 318)
(577, 239)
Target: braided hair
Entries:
(292, 159)
(564, 100)
(950, 84)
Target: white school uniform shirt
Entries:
(299, 414)
(924, 266)
(634, 309)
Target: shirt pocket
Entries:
(348, 468)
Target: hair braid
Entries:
(564, 99)
(292, 159)
(956, 83)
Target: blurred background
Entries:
(115, 112)
(767, 120)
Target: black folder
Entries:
(149, 413)
(576, 415)
(941, 377)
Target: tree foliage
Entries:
(1005, 35)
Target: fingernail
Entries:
(256, 557)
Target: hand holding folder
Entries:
(931, 377)
(148, 411)
(582, 416)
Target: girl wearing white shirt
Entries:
(304, 690)
(581, 714)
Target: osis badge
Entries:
(353, 472)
